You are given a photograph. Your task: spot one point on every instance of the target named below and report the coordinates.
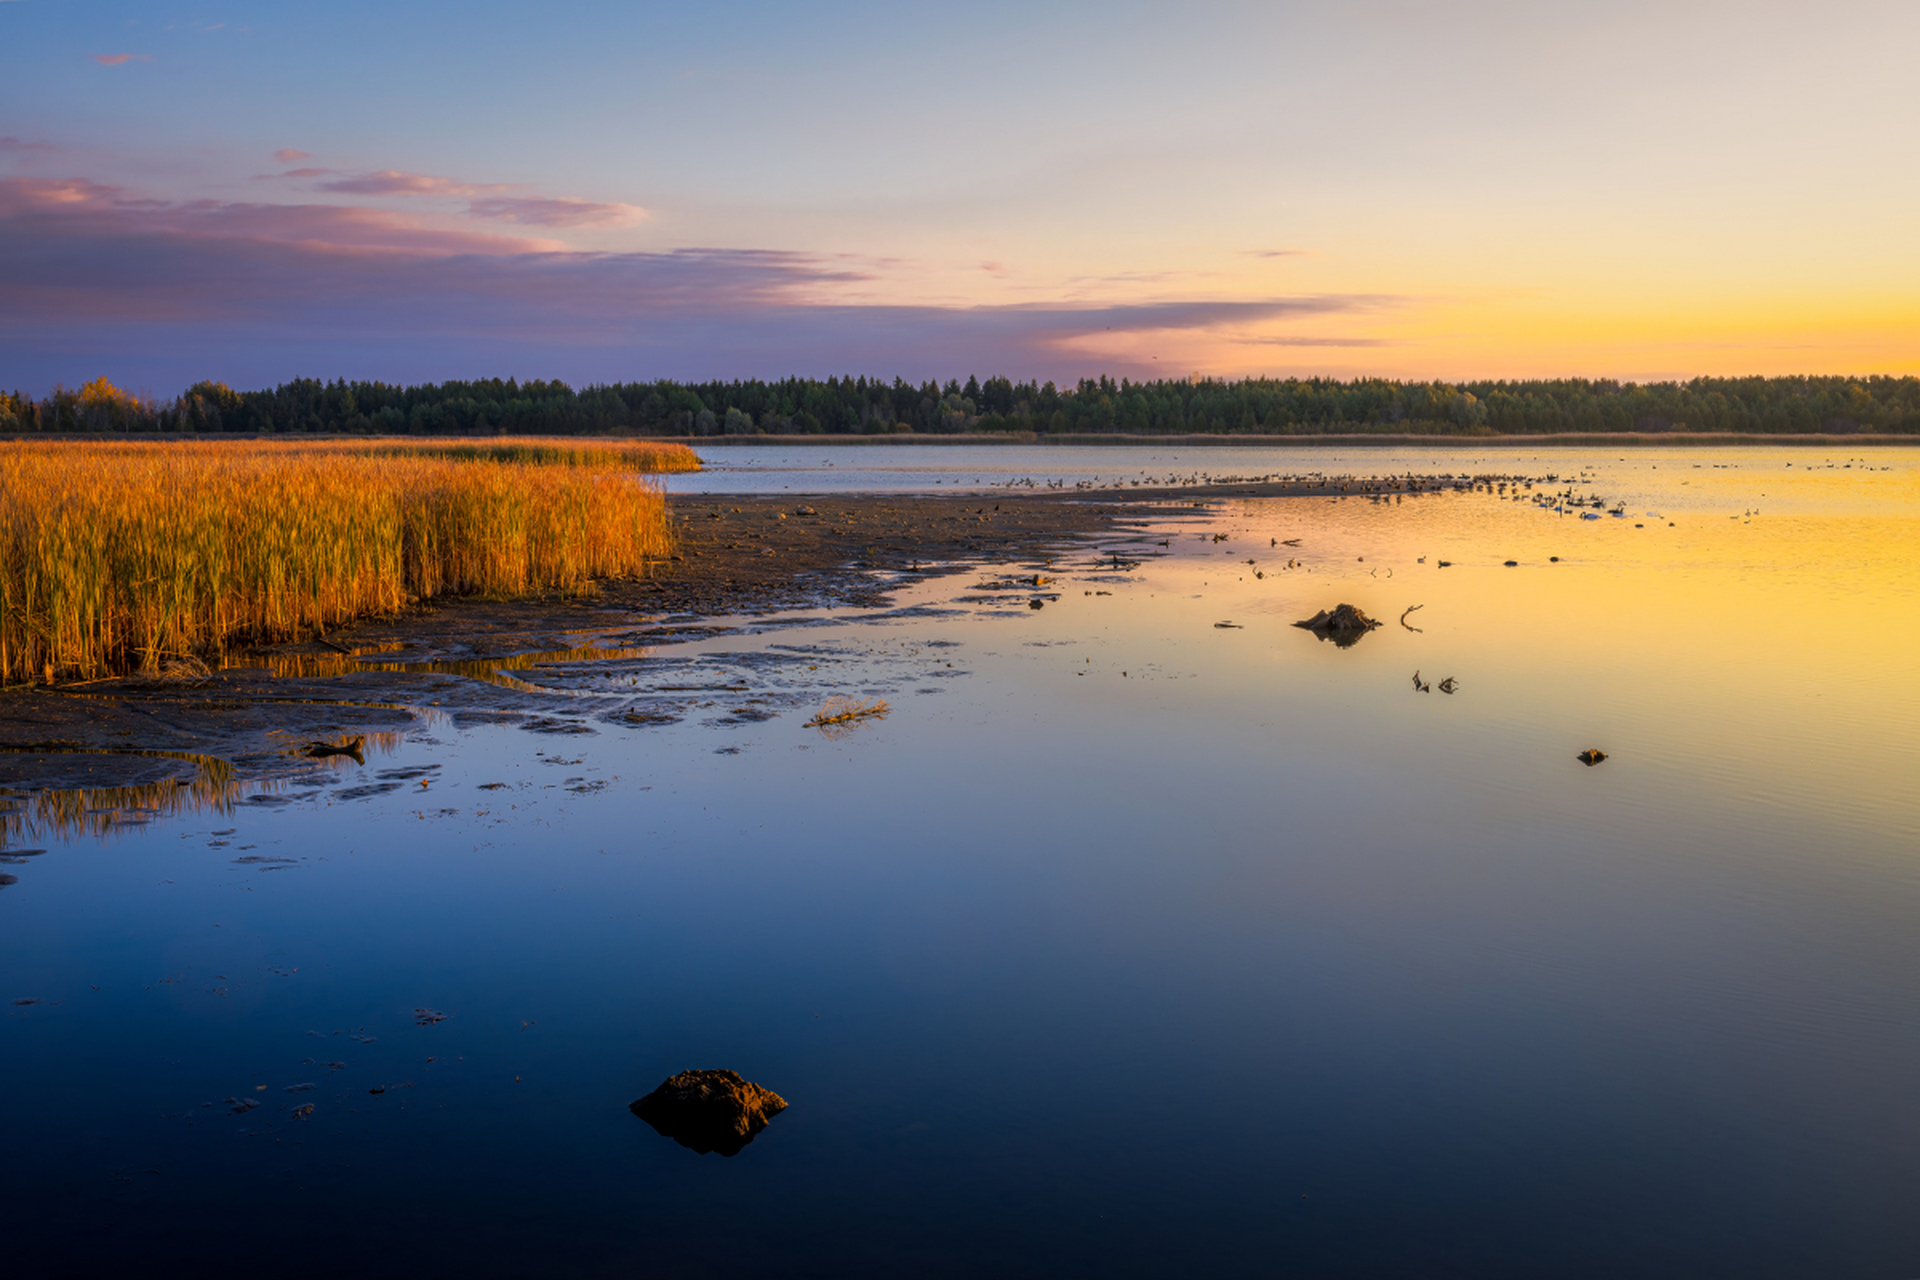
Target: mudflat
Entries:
(261, 715)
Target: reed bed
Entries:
(648, 456)
(124, 555)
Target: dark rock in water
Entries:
(351, 748)
(1591, 756)
(7, 879)
(1344, 626)
(709, 1110)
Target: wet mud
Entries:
(118, 750)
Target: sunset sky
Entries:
(608, 191)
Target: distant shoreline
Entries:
(1637, 439)
(1634, 439)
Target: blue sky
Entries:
(251, 192)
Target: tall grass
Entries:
(115, 556)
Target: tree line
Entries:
(872, 406)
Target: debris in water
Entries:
(842, 711)
(1591, 756)
(1344, 625)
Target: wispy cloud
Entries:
(291, 173)
(15, 144)
(1303, 340)
(1273, 253)
(394, 182)
(558, 212)
(116, 59)
(287, 155)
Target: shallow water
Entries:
(1126, 944)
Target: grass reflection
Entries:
(493, 671)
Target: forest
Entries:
(873, 406)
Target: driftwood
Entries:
(841, 713)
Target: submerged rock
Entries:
(1343, 626)
(709, 1110)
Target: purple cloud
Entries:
(287, 155)
(157, 294)
(116, 59)
(394, 182)
(15, 144)
(560, 212)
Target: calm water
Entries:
(1127, 944)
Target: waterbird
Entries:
(1419, 684)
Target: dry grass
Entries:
(124, 555)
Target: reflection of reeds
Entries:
(30, 815)
(493, 671)
(841, 714)
(121, 554)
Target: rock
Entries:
(1344, 626)
(709, 1110)
(1591, 756)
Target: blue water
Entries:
(1125, 944)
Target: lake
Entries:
(1147, 934)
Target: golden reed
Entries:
(127, 554)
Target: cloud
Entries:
(558, 212)
(287, 155)
(1273, 253)
(15, 144)
(165, 293)
(393, 182)
(1303, 340)
(484, 199)
(291, 173)
(115, 59)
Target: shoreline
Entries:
(738, 560)
(1637, 439)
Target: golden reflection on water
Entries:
(1768, 657)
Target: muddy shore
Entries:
(739, 558)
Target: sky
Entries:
(251, 192)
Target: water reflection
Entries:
(492, 670)
(191, 783)
(1104, 851)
